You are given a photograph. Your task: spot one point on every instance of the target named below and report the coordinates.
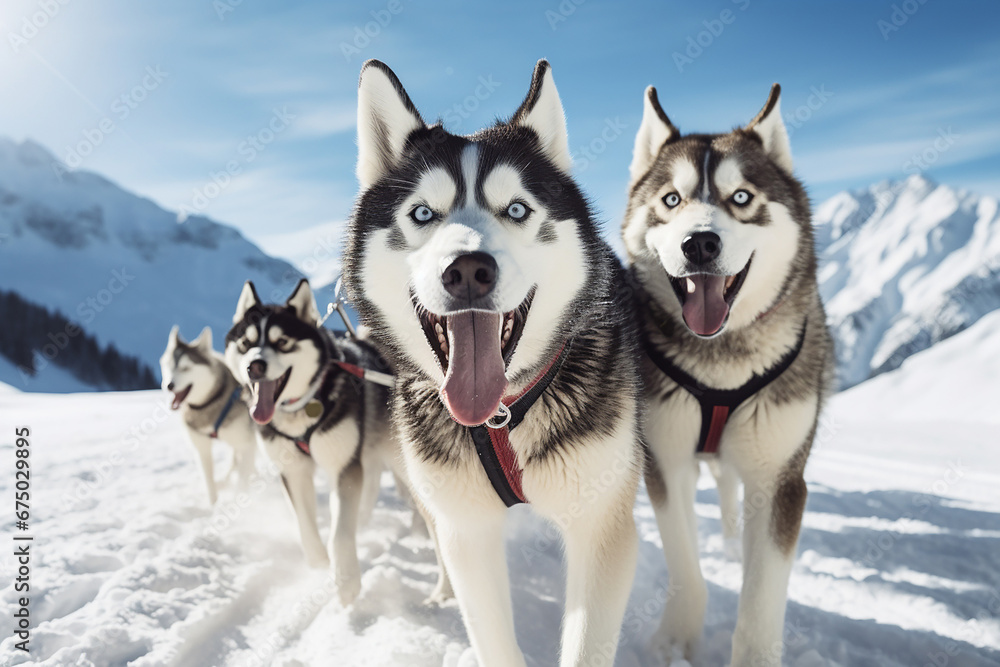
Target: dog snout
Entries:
(702, 248)
(170, 386)
(256, 370)
(470, 276)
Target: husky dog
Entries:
(478, 267)
(312, 408)
(720, 243)
(209, 399)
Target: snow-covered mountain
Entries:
(904, 265)
(117, 264)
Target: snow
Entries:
(49, 378)
(904, 265)
(116, 263)
(897, 562)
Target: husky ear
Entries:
(654, 132)
(304, 303)
(204, 340)
(543, 112)
(386, 117)
(248, 299)
(175, 337)
(769, 126)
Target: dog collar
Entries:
(492, 440)
(296, 404)
(718, 404)
(216, 395)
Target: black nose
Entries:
(170, 387)
(471, 276)
(256, 370)
(701, 247)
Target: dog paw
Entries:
(441, 594)
(733, 549)
(674, 651)
(318, 560)
(348, 588)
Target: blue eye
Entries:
(672, 200)
(742, 197)
(421, 215)
(518, 211)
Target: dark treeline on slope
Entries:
(32, 337)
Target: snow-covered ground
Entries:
(899, 560)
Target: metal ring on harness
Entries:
(503, 412)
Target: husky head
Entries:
(466, 255)
(187, 370)
(716, 222)
(276, 350)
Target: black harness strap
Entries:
(302, 442)
(225, 411)
(321, 395)
(493, 444)
(717, 405)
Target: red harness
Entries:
(493, 442)
(718, 404)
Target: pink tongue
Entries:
(705, 309)
(176, 403)
(263, 409)
(475, 381)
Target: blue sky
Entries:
(163, 96)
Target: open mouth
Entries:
(265, 397)
(179, 397)
(706, 299)
(474, 348)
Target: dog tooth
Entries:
(690, 286)
(438, 329)
(729, 281)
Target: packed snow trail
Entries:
(898, 559)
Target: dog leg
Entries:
(684, 612)
(345, 501)
(473, 551)
(301, 493)
(419, 524)
(244, 461)
(727, 481)
(423, 523)
(443, 590)
(772, 516)
(371, 487)
(600, 558)
(203, 445)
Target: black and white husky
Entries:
(477, 265)
(312, 408)
(210, 401)
(719, 239)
